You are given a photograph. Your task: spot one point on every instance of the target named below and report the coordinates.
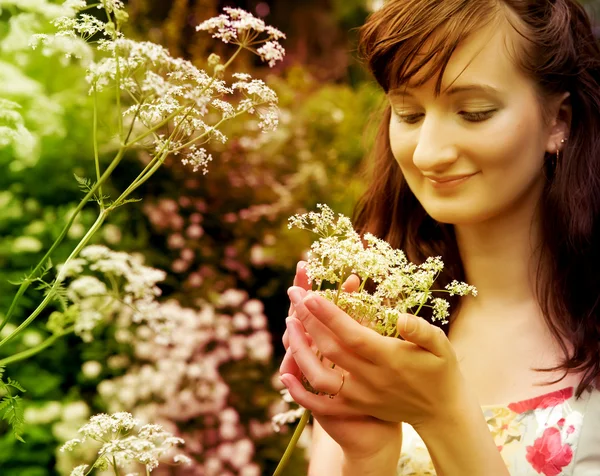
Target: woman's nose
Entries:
(435, 149)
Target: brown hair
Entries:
(560, 54)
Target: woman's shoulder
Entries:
(587, 455)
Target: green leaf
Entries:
(129, 200)
(15, 384)
(86, 185)
(14, 414)
(59, 294)
(5, 402)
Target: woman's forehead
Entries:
(484, 58)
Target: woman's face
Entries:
(487, 125)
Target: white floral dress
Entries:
(554, 434)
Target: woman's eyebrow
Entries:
(485, 88)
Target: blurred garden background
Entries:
(221, 238)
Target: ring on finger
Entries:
(331, 395)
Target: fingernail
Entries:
(311, 303)
(295, 296)
(410, 325)
(300, 265)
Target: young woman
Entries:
(488, 155)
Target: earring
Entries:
(553, 163)
(562, 141)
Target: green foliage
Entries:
(86, 185)
(11, 406)
(37, 195)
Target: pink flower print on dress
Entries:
(548, 455)
(548, 400)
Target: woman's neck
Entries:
(500, 258)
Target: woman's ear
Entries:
(560, 124)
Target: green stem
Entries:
(155, 128)
(362, 285)
(233, 57)
(155, 163)
(421, 305)
(115, 466)
(118, 94)
(38, 348)
(148, 171)
(135, 116)
(140, 180)
(28, 280)
(50, 295)
(292, 444)
(95, 141)
(196, 139)
(339, 289)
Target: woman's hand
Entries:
(359, 436)
(417, 380)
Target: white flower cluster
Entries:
(279, 420)
(242, 28)
(161, 90)
(132, 284)
(179, 380)
(119, 446)
(259, 98)
(402, 287)
(13, 132)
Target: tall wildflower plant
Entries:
(400, 286)
(163, 106)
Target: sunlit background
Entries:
(222, 238)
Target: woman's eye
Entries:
(477, 116)
(468, 116)
(408, 118)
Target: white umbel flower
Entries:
(402, 287)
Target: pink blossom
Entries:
(179, 266)
(187, 254)
(230, 218)
(253, 306)
(196, 218)
(195, 280)
(194, 231)
(168, 205)
(176, 222)
(240, 321)
(228, 431)
(185, 201)
(258, 322)
(175, 241)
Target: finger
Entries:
(351, 284)
(365, 342)
(330, 345)
(321, 377)
(427, 336)
(319, 404)
(289, 365)
(301, 280)
(286, 340)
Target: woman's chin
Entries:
(454, 217)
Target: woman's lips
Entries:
(450, 183)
